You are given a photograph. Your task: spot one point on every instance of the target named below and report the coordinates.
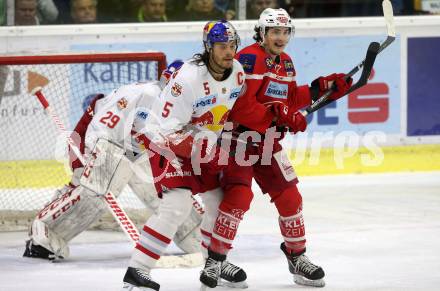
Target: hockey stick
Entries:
(121, 217)
(367, 64)
(118, 213)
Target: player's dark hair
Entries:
(201, 59)
(257, 36)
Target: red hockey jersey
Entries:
(266, 82)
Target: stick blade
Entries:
(388, 14)
(370, 58)
(367, 66)
(373, 50)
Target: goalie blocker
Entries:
(76, 206)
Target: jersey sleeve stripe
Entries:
(270, 75)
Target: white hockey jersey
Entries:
(115, 113)
(194, 97)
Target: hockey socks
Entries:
(224, 232)
(293, 232)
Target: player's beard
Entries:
(220, 65)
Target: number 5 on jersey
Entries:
(166, 109)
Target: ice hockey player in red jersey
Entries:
(272, 99)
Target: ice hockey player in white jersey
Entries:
(74, 208)
(197, 99)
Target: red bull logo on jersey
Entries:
(122, 103)
(277, 90)
(176, 90)
(214, 119)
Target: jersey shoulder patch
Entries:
(248, 62)
(287, 63)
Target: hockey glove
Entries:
(294, 120)
(336, 81)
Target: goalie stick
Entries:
(367, 64)
(121, 217)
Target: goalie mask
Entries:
(274, 18)
(219, 31)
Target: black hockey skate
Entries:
(304, 272)
(232, 276)
(210, 275)
(137, 279)
(36, 251)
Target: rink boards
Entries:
(398, 107)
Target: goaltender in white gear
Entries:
(74, 208)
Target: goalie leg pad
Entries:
(141, 182)
(42, 236)
(124, 173)
(65, 217)
(188, 236)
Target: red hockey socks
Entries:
(293, 232)
(224, 232)
(236, 202)
(289, 206)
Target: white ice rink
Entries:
(368, 232)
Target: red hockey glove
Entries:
(292, 119)
(322, 84)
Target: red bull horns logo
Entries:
(214, 119)
(209, 26)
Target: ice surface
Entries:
(368, 232)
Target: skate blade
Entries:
(300, 280)
(235, 285)
(130, 287)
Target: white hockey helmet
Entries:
(271, 17)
